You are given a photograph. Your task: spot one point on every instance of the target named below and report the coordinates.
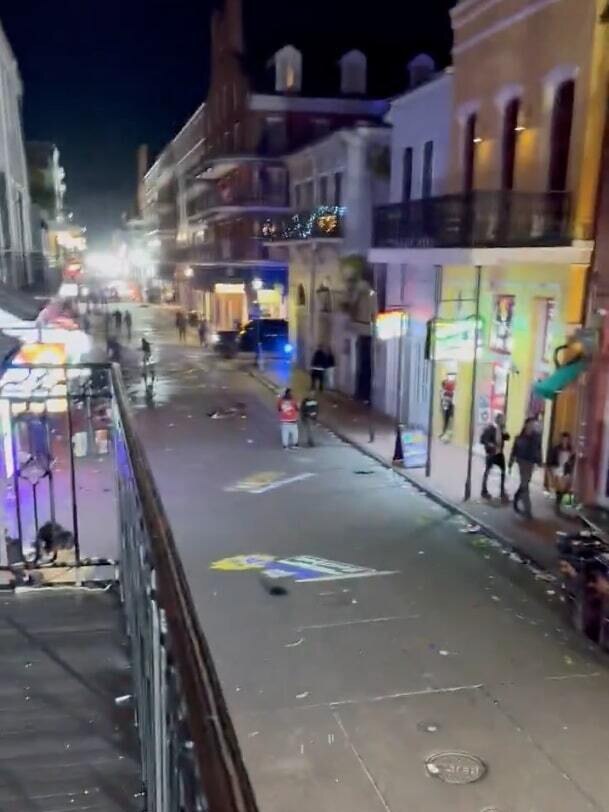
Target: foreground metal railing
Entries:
(190, 755)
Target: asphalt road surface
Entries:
(342, 689)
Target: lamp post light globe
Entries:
(257, 283)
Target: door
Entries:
(363, 378)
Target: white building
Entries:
(334, 184)
(420, 153)
(15, 220)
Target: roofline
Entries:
(175, 138)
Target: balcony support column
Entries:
(472, 404)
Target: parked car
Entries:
(272, 334)
(225, 343)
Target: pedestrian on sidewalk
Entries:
(118, 321)
(447, 406)
(526, 452)
(202, 330)
(330, 368)
(288, 419)
(86, 323)
(319, 364)
(493, 438)
(181, 325)
(128, 324)
(561, 464)
(309, 412)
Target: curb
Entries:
(428, 491)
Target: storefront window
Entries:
(502, 324)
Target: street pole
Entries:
(472, 404)
(432, 371)
(373, 312)
(398, 451)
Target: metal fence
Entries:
(190, 755)
(477, 219)
(191, 760)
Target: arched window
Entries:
(560, 136)
(302, 297)
(510, 136)
(469, 152)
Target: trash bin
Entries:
(580, 567)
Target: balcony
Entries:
(481, 219)
(214, 199)
(234, 252)
(320, 223)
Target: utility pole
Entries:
(472, 404)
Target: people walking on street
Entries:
(181, 325)
(128, 324)
(118, 321)
(561, 463)
(493, 438)
(86, 323)
(319, 364)
(288, 419)
(526, 452)
(202, 330)
(447, 406)
(309, 412)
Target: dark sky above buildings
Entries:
(102, 77)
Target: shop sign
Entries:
(390, 324)
(414, 448)
(454, 339)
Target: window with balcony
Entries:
(407, 174)
(323, 191)
(427, 179)
(469, 152)
(308, 194)
(560, 136)
(297, 195)
(508, 152)
(338, 188)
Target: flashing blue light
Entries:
(287, 348)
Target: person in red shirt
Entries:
(288, 419)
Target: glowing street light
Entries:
(257, 283)
(188, 272)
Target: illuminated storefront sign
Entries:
(454, 339)
(391, 324)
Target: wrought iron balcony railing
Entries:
(320, 223)
(210, 199)
(478, 219)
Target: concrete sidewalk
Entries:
(352, 421)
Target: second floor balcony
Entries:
(320, 223)
(209, 200)
(479, 219)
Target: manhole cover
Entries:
(455, 768)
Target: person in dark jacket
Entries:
(493, 438)
(309, 412)
(526, 452)
(561, 464)
(319, 364)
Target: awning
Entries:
(559, 380)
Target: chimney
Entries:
(420, 70)
(353, 73)
(288, 70)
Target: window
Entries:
(323, 190)
(338, 188)
(407, 174)
(237, 136)
(469, 152)
(427, 180)
(297, 195)
(307, 194)
(274, 135)
(302, 298)
(290, 77)
(560, 136)
(510, 134)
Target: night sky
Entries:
(102, 77)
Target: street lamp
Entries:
(257, 286)
(188, 272)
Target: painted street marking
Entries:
(242, 563)
(300, 568)
(258, 480)
(341, 623)
(281, 482)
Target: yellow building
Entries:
(511, 236)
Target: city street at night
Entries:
(344, 681)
